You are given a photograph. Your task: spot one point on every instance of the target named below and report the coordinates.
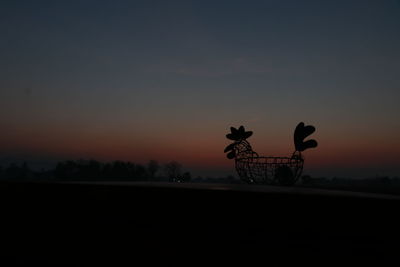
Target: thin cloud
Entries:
(214, 68)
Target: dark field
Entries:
(64, 224)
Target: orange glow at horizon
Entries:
(204, 150)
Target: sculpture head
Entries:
(237, 135)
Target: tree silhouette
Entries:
(173, 171)
(153, 168)
(140, 172)
(94, 170)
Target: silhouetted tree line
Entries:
(92, 170)
(15, 171)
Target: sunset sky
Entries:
(164, 80)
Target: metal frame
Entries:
(262, 170)
(255, 169)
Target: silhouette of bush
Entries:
(186, 177)
(173, 171)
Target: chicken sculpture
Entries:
(255, 169)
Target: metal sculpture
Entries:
(255, 169)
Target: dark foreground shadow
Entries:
(91, 225)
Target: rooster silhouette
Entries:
(255, 169)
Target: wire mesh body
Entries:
(264, 170)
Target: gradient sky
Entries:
(140, 80)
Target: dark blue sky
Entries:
(137, 80)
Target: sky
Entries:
(164, 80)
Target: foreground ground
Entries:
(120, 224)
